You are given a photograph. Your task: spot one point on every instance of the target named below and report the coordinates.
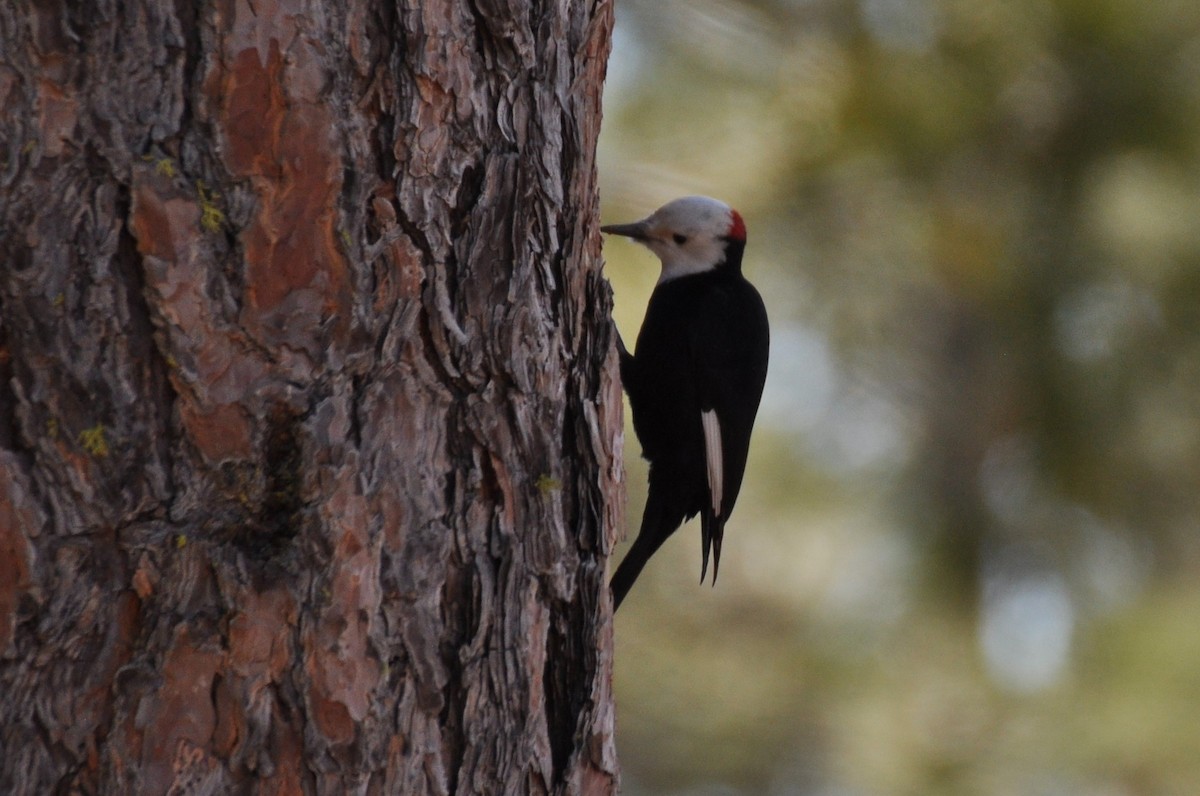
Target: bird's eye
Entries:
(679, 239)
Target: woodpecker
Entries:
(695, 377)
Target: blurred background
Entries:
(966, 559)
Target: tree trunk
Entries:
(309, 452)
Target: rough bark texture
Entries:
(309, 424)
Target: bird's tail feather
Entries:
(653, 533)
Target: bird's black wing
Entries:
(728, 342)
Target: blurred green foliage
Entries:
(966, 559)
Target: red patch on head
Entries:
(737, 227)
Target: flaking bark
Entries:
(309, 419)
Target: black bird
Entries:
(696, 375)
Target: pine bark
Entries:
(309, 417)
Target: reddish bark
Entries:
(309, 461)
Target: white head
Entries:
(690, 235)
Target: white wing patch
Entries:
(714, 457)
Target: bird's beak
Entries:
(639, 230)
